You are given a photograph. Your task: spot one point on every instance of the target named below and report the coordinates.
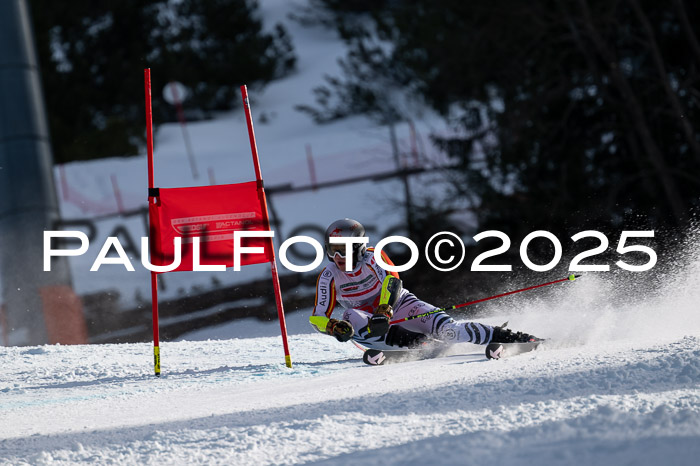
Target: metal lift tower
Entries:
(39, 307)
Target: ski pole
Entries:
(571, 277)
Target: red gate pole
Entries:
(154, 276)
(266, 221)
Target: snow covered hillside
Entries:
(94, 192)
(616, 384)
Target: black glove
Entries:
(379, 322)
(341, 329)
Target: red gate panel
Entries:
(211, 213)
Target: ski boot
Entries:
(402, 338)
(504, 335)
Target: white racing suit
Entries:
(358, 293)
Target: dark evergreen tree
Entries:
(92, 55)
(574, 113)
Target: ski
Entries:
(505, 350)
(376, 357)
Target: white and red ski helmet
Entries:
(345, 228)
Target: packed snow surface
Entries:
(625, 392)
(617, 383)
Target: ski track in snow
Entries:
(234, 402)
(617, 382)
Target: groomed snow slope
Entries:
(616, 385)
(232, 402)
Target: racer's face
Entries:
(339, 261)
(338, 257)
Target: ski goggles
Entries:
(336, 249)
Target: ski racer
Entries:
(366, 320)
